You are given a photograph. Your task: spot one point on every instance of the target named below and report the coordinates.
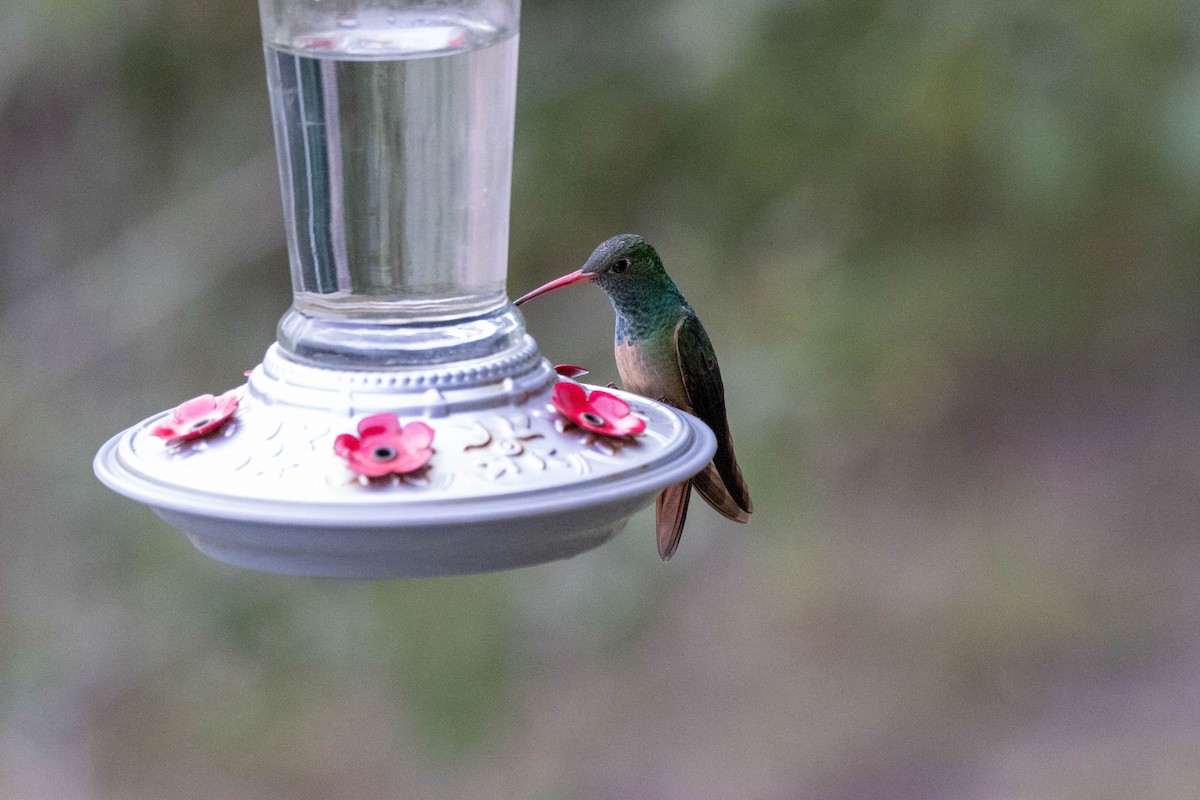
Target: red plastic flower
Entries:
(198, 416)
(383, 446)
(569, 370)
(599, 412)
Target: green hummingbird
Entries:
(663, 353)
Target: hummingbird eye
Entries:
(620, 265)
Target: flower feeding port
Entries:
(404, 423)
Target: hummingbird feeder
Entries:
(404, 423)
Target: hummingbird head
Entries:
(626, 267)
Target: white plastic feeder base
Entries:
(511, 482)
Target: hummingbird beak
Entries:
(578, 276)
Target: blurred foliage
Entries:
(947, 252)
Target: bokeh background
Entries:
(948, 253)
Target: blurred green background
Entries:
(948, 254)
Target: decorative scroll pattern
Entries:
(274, 451)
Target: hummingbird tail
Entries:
(731, 501)
(670, 513)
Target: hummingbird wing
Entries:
(726, 491)
(670, 513)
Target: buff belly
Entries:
(650, 374)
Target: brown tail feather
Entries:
(730, 476)
(670, 513)
(716, 493)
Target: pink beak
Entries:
(578, 276)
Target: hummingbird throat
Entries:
(640, 318)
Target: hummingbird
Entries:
(663, 352)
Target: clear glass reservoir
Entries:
(394, 132)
